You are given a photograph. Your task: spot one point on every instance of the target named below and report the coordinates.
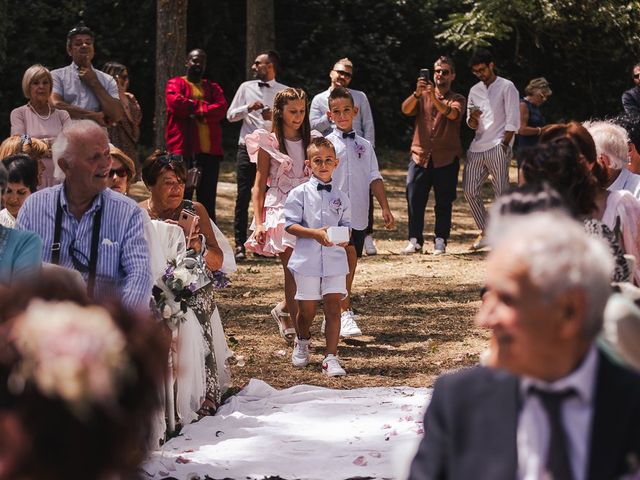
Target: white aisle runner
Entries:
(303, 432)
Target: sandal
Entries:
(287, 333)
(208, 408)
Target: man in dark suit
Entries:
(631, 98)
(550, 405)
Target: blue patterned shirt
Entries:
(123, 255)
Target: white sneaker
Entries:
(479, 243)
(370, 247)
(439, 246)
(331, 366)
(348, 325)
(300, 355)
(412, 247)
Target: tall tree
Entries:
(261, 29)
(171, 46)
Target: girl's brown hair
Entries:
(282, 98)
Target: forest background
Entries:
(585, 49)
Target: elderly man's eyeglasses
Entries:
(442, 71)
(344, 73)
(169, 158)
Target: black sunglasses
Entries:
(120, 172)
(79, 264)
(169, 158)
(442, 71)
(343, 72)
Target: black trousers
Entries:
(444, 181)
(208, 189)
(245, 177)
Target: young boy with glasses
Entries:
(356, 174)
(318, 262)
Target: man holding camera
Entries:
(252, 105)
(195, 108)
(494, 113)
(435, 152)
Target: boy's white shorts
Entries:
(314, 288)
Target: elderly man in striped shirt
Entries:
(87, 227)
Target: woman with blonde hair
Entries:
(38, 118)
(531, 119)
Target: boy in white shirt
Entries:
(357, 172)
(319, 265)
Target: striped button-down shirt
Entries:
(123, 255)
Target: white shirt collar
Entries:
(582, 379)
(620, 181)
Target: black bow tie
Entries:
(351, 134)
(264, 84)
(326, 187)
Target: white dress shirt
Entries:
(628, 181)
(74, 91)
(500, 105)
(313, 208)
(358, 167)
(362, 123)
(248, 93)
(533, 434)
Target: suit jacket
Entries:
(631, 101)
(472, 421)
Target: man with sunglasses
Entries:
(435, 153)
(341, 76)
(88, 227)
(631, 98)
(252, 105)
(493, 112)
(82, 90)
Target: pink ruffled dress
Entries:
(285, 173)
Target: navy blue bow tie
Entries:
(326, 187)
(264, 84)
(351, 134)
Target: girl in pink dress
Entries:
(280, 159)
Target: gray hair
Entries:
(611, 140)
(62, 146)
(560, 256)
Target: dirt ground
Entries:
(416, 311)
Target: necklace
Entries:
(157, 216)
(37, 114)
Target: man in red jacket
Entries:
(195, 107)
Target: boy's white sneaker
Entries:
(331, 366)
(348, 325)
(439, 246)
(300, 355)
(370, 247)
(412, 247)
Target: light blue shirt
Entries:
(358, 167)
(313, 208)
(123, 268)
(362, 123)
(20, 254)
(68, 85)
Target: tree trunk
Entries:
(261, 29)
(171, 46)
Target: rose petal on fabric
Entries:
(375, 454)
(360, 461)
(385, 426)
(183, 460)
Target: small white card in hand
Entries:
(338, 234)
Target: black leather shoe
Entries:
(240, 253)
